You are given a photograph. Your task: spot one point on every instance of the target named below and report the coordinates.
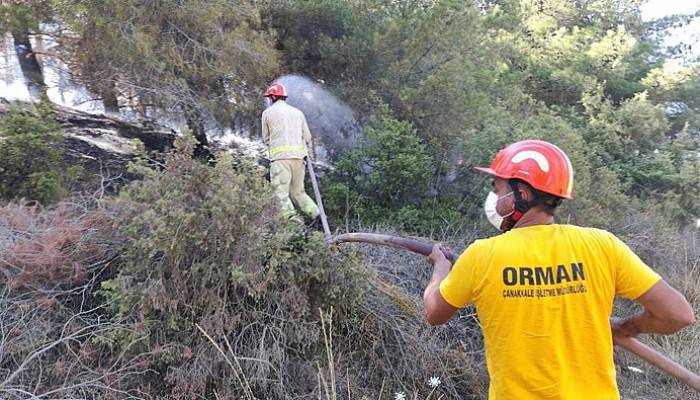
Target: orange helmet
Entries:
(541, 164)
(276, 89)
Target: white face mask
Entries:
(490, 209)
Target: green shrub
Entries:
(389, 172)
(31, 156)
(393, 168)
(206, 245)
(434, 217)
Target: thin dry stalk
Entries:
(238, 364)
(323, 383)
(328, 341)
(243, 382)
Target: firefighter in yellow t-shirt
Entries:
(544, 292)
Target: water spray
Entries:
(329, 118)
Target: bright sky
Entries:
(689, 34)
(653, 9)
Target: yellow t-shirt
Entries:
(544, 295)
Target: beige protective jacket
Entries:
(285, 132)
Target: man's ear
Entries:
(525, 192)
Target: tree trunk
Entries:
(195, 123)
(109, 98)
(29, 64)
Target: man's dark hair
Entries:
(275, 98)
(549, 201)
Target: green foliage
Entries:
(561, 49)
(17, 18)
(398, 164)
(305, 27)
(390, 171)
(31, 155)
(24, 16)
(45, 185)
(654, 166)
(677, 89)
(206, 245)
(468, 78)
(204, 57)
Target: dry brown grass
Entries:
(46, 249)
(55, 341)
(676, 256)
(393, 349)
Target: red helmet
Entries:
(541, 164)
(276, 89)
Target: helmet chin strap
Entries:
(519, 209)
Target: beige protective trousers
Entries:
(287, 178)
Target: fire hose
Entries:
(632, 345)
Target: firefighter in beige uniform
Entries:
(285, 132)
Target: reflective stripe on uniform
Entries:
(309, 208)
(289, 212)
(281, 149)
